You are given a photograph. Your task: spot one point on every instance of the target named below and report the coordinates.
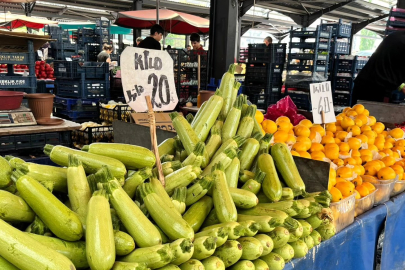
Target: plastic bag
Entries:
(284, 107)
(296, 119)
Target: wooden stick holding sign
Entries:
(323, 119)
(155, 149)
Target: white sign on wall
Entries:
(146, 72)
(322, 101)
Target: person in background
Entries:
(168, 47)
(188, 47)
(384, 71)
(153, 41)
(104, 56)
(268, 40)
(195, 42)
(138, 40)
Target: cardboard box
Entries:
(162, 120)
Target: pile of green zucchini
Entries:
(231, 199)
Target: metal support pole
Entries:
(120, 43)
(157, 11)
(137, 5)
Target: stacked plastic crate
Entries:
(308, 62)
(79, 88)
(62, 47)
(396, 21)
(264, 69)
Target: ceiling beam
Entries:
(311, 18)
(246, 5)
(356, 27)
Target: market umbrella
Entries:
(172, 21)
(11, 21)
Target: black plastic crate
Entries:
(260, 100)
(274, 53)
(34, 141)
(89, 39)
(255, 90)
(301, 100)
(310, 45)
(74, 70)
(345, 64)
(101, 31)
(263, 74)
(301, 81)
(53, 30)
(396, 22)
(397, 12)
(390, 30)
(343, 83)
(102, 23)
(45, 86)
(340, 47)
(305, 34)
(83, 88)
(342, 99)
(243, 55)
(73, 104)
(85, 31)
(361, 61)
(338, 29)
(74, 115)
(119, 112)
(93, 134)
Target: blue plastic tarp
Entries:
(352, 248)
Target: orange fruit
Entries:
(283, 119)
(398, 170)
(351, 114)
(259, 116)
(330, 134)
(400, 143)
(372, 120)
(301, 130)
(369, 186)
(388, 145)
(345, 110)
(331, 127)
(294, 153)
(350, 161)
(347, 122)
(290, 139)
(331, 151)
(370, 170)
(357, 123)
(362, 118)
(284, 126)
(369, 134)
(400, 163)
(357, 181)
(306, 122)
(378, 127)
(346, 188)
(291, 132)
(355, 130)
(400, 150)
(344, 172)
(374, 163)
(338, 179)
(318, 155)
(396, 133)
(357, 195)
(280, 136)
(299, 147)
(316, 147)
(358, 160)
(388, 152)
(318, 128)
(372, 148)
(382, 154)
(269, 126)
(379, 143)
(386, 173)
(331, 183)
(305, 140)
(355, 152)
(382, 164)
(384, 133)
(304, 154)
(336, 194)
(366, 158)
(388, 160)
(365, 128)
(337, 141)
(332, 173)
(358, 108)
(344, 147)
(341, 135)
(339, 117)
(338, 128)
(366, 112)
(363, 190)
(354, 143)
(339, 162)
(363, 138)
(366, 152)
(327, 139)
(359, 170)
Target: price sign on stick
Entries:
(148, 84)
(147, 72)
(322, 103)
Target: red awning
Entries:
(172, 21)
(13, 21)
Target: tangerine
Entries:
(269, 126)
(336, 194)
(346, 188)
(386, 173)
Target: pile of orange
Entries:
(358, 146)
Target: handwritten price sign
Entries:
(322, 101)
(147, 72)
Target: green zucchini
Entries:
(74, 251)
(13, 161)
(166, 158)
(226, 89)
(5, 173)
(180, 178)
(223, 203)
(307, 228)
(266, 242)
(173, 225)
(160, 190)
(196, 157)
(234, 142)
(245, 175)
(232, 121)
(14, 209)
(267, 223)
(49, 209)
(286, 252)
(204, 247)
(235, 230)
(309, 241)
(316, 236)
(286, 167)
(154, 257)
(182, 249)
(262, 197)
(232, 173)
(198, 190)
(260, 264)
(300, 249)
(288, 222)
(225, 158)
(38, 227)
(168, 167)
(91, 162)
(229, 253)
(124, 243)
(25, 253)
(213, 263)
(243, 265)
(137, 224)
(274, 261)
(169, 267)
(6, 265)
(165, 239)
(78, 188)
(280, 236)
(129, 266)
(271, 184)
(132, 156)
(220, 233)
(249, 152)
(246, 125)
(264, 146)
(254, 185)
(197, 213)
(252, 248)
(251, 227)
(166, 147)
(179, 198)
(192, 264)
(235, 91)
(214, 141)
(243, 199)
(211, 219)
(292, 208)
(190, 118)
(134, 180)
(287, 194)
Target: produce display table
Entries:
(66, 126)
(355, 246)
